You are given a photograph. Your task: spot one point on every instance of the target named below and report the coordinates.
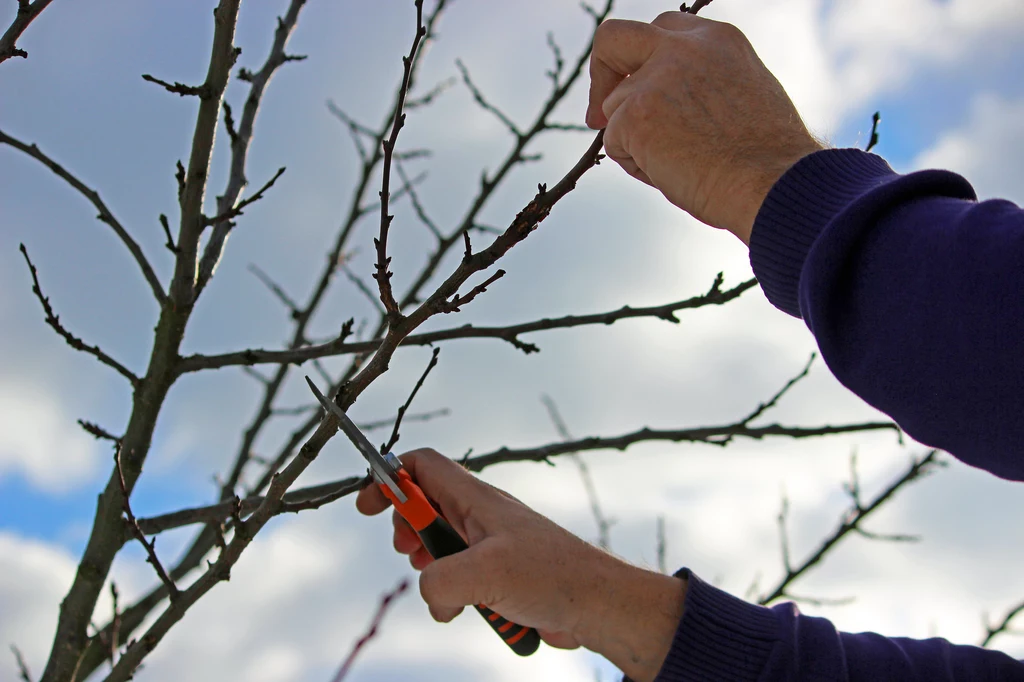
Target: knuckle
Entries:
(724, 31)
(666, 19)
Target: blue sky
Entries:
(945, 76)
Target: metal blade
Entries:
(382, 471)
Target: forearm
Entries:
(912, 291)
(632, 618)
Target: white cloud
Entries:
(987, 149)
(40, 441)
(33, 578)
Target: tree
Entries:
(456, 268)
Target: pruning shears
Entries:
(437, 535)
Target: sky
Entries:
(943, 73)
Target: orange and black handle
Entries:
(441, 540)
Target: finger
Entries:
(443, 614)
(458, 580)
(677, 21)
(406, 541)
(420, 559)
(559, 640)
(450, 486)
(615, 146)
(371, 500)
(620, 48)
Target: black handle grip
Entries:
(441, 540)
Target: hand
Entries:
(533, 572)
(689, 108)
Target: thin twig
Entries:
(237, 181)
(356, 130)
(115, 624)
(133, 525)
(200, 91)
(774, 400)
(712, 435)
(661, 545)
(417, 205)
(873, 140)
(697, 6)
(604, 523)
(382, 274)
(23, 672)
(363, 288)
(27, 12)
(1003, 627)
(850, 522)
(104, 213)
(275, 289)
(238, 209)
(482, 101)
(375, 624)
(53, 320)
(167, 233)
(510, 334)
(430, 95)
(98, 432)
(402, 410)
(456, 302)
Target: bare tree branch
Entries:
(697, 6)
(27, 12)
(23, 672)
(850, 522)
(364, 289)
(873, 140)
(216, 513)
(1003, 626)
(711, 435)
(104, 213)
(661, 546)
(511, 334)
(456, 303)
(482, 101)
(200, 91)
(378, 618)
(430, 95)
(241, 140)
(522, 226)
(150, 545)
(604, 524)
(402, 410)
(356, 130)
(382, 274)
(53, 320)
(417, 205)
(237, 210)
(71, 637)
(276, 289)
(774, 400)
(98, 432)
(167, 233)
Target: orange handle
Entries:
(441, 540)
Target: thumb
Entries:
(455, 581)
(450, 486)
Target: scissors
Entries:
(437, 535)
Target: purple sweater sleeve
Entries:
(914, 292)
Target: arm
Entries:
(912, 290)
(914, 293)
(652, 626)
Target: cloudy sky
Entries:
(944, 73)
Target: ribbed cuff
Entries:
(799, 207)
(719, 637)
